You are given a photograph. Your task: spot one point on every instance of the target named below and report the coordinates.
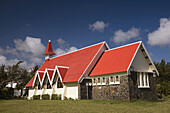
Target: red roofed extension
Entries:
(115, 60)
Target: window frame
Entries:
(143, 80)
(114, 77)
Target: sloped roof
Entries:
(50, 73)
(41, 74)
(30, 83)
(49, 50)
(77, 62)
(62, 72)
(115, 60)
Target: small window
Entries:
(114, 80)
(94, 81)
(117, 78)
(111, 79)
(98, 80)
(143, 80)
(104, 80)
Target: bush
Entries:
(6, 93)
(45, 97)
(36, 97)
(59, 97)
(54, 97)
(65, 98)
(70, 98)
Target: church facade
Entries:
(97, 72)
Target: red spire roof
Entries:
(49, 50)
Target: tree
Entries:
(163, 80)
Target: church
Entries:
(97, 72)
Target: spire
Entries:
(49, 51)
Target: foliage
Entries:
(14, 74)
(163, 80)
(36, 97)
(6, 93)
(45, 97)
(56, 97)
(65, 98)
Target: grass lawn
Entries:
(82, 106)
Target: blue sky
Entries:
(27, 25)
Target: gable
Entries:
(140, 63)
(143, 62)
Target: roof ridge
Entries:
(78, 49)
(123, 46)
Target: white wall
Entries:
(140, 63)
(31, 93)
(71, 91)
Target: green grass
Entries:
(83, 106)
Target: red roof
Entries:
(41, 75)
(30, 83)
(77, 62)
(49, 50)
(115, 60)
(62, 72)
(50, 73)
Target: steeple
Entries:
(49, 51)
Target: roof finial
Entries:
(49, 50)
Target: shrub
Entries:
(65, 98)
(54, 97)
(36, 97)
(70, 98)
(45, 97)
(59, 97)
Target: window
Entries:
(114, 80)
(143, 80)
(99, 80)
(103, 81)
(94, 81)
(111, 79)
(48, 85)
(59, 84)
(117, 79)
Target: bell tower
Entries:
(49, 51)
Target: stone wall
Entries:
(112, 92)
(149, 94)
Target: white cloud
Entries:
(31, 47)
(122, 36)
(5, 61)
(161, 36)
(98, 26)
(30, 44)
(63, 47)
